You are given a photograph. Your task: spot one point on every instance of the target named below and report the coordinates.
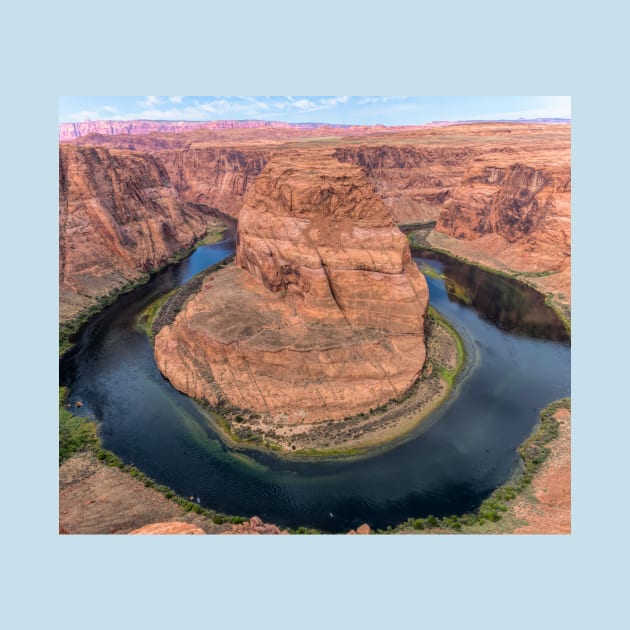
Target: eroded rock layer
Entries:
(517, 212)
(119, 216)
(322, 316)
(413, 181)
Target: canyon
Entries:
(321, 317)
(323, 314)
(133, 194)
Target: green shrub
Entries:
(75, 433)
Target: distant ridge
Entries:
(70, 131)
(517, 120)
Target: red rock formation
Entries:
(323, 316)
(214, 176)
(174, 527)
(316, 227)
(364, 530)
(255, 526)
(119, 216)
(414, 182)
(516, 210)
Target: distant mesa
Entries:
(321, 317)
(70, 131)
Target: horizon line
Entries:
(314, 122)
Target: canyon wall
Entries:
(214, 176)
(71, 131)
(514, 211)
(119, 216)
(414, 182)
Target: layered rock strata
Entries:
(119, 217)
(414, 182)
(515, 214)
(213, 176)
(322, 317)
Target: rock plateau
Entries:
(321, 317)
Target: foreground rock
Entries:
(174, 527)
(95, 498)
(255, 526)
(322, 317)
(364, 530)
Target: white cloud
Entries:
(216, 107)
(151, 101)
(368, 100)
(304, 104)
(83, 115)
(331, 102)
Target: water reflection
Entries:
(509, 304)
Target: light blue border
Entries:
(302, 582)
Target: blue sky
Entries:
(364, 110)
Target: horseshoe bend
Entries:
(322, 315)
(279, 274)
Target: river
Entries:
(520, 357)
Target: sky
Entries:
(360, 110)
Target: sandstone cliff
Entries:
(414, 182)
(119, 216)
(516, 210)
(214, 176)
(323, 315)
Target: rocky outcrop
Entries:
(323, 315)
(119, 216)
(174, 527)
(255, 526)
(362, 530)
